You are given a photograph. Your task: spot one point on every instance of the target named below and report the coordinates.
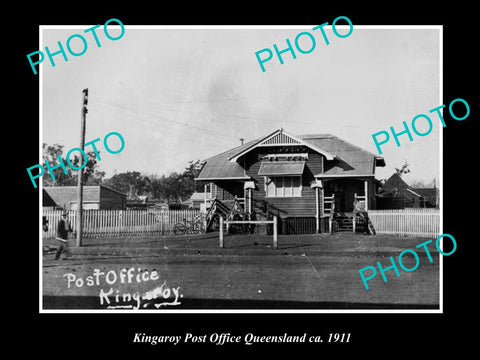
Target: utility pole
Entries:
(80, 172)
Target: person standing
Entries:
(63, 228)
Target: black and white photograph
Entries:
(217, 180)
(244, 184)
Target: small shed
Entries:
(96, 197)
(197, 200)
(397, 194)
(47, 200)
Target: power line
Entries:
(208, 132)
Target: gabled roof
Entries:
(278, 138)
(395, 182)
(397, 186)
(90, 192)
(342, 158)
(430, 193)
(47, 199)
(218, 166)
(350, 160)
(197, 196)
(413, 192)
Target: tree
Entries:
(132, 183)
(175, 187)
(419, 184)
(156, 189)
(189, 175)
(403, 170)
(91, 174)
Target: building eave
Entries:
(223, 178)
(341, 176)
(414, 193)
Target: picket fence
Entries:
(109, 223)
(406, 222)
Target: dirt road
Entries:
(306, 272)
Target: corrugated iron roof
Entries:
(218, 166)
(350, 160)
(90, 192)
(427, 192)
(197, 196)
(395, 184)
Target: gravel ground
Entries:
(305, 272)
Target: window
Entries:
(288, 186)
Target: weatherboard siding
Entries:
(304, 205)
(227, 190)
(111, 200)
(65, 196)
(94, 197)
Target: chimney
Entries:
(241, 141)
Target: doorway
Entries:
(344, 191)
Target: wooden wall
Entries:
(64, 196)
(302, 206)
(112, 200)
(305, 205)
(226, 190)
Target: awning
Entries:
(281, 168)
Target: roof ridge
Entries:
(316, 136)
(226, 151)
(287, 133)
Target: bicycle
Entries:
(195, 226)
(244, 228)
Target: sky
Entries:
(177, 94)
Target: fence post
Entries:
(160, 214)
(275, 240)
(221, 232)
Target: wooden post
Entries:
(275, 240)
(230, 213)
(205, 196)
(317, 211)
(162, 226)
(221, 232)
(80, 172)
(366, 195)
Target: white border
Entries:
(250, 311)
(40, 183)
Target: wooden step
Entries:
(345, 224)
